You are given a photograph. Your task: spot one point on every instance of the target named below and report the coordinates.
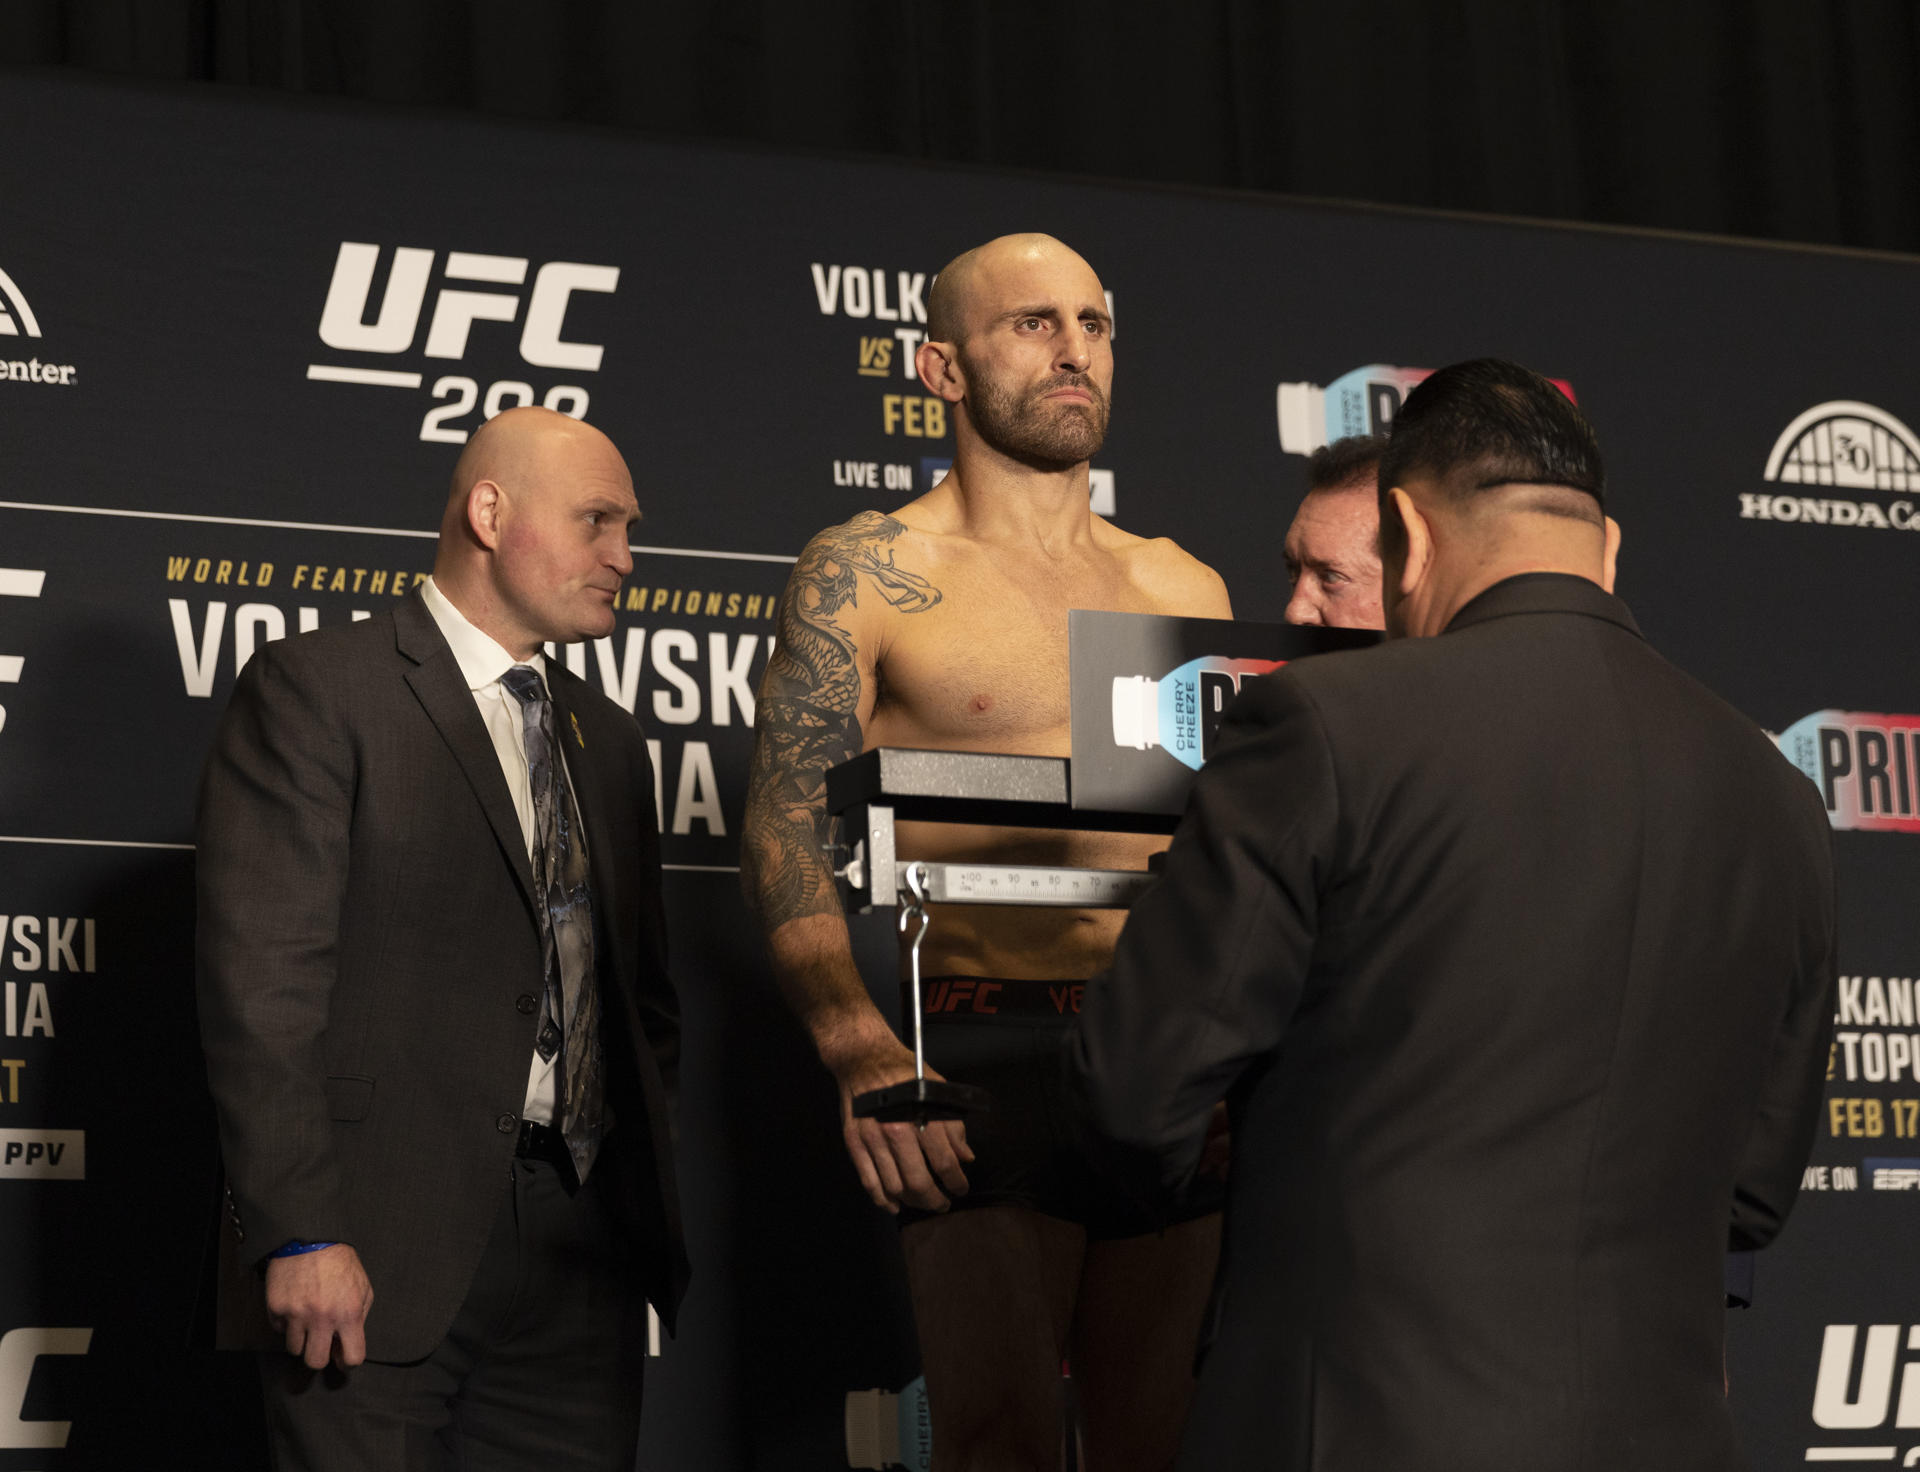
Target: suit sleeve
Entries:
(272, 834)
(1788, 1111)
(1212, 961)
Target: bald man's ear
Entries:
(1417, 537)
(1610, 558)
(938, 364)
(483, 513)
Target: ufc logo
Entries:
(963, 994)
(1842, 1402)
(344, 324)
(19, 1349)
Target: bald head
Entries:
(518, 448)
(1017, 340)
(533, 543)
(969, 283)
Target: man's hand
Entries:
(318, 1299)
(900, 1162)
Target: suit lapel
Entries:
(442, 692)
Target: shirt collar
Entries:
(482, 661)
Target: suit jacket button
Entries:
(526, 1002)
(507, 1123)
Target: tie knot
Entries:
(523, 683)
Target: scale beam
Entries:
(1025, 884)
(874, 790)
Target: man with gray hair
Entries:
(1332, 549)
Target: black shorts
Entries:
(1009, 1038)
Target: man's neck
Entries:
(480, 607)
(1000, 500)
(1462, 590)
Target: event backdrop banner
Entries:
(241, 343)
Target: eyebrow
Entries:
(1099, 313)
(613, 506)
(1326, 564)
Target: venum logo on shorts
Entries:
(1832, 450)
(17, 320)
(450, 334)
(1864, 764)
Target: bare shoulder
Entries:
(861, 530)
(860, 556)
(1172, 576)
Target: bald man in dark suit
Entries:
(434, 999)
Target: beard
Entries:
(1024, 426)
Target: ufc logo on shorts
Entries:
(396, 323)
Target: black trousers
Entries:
(540, 1369)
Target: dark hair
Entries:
(1345, 462)
(1490, 423)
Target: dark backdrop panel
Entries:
(171, 257)
(1755, 117)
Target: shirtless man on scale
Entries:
(944, 625)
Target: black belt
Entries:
(542, 1142)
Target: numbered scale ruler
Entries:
(1021, 884)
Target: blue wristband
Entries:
(294, 1249)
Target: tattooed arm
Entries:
(814, 700)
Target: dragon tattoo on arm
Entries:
(808, 714)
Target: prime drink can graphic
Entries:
(1181, 711)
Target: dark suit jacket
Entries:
(1512, 951)
(367, 952)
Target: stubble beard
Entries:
(1026, 427)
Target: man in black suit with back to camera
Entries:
(1512, 952)
(434, 999)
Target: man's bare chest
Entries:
(986, 668)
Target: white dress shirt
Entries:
(482, 662)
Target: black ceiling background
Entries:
(1778, 119)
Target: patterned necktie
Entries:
(570, 1015)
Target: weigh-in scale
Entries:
(1125, 786)
(878, 788)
